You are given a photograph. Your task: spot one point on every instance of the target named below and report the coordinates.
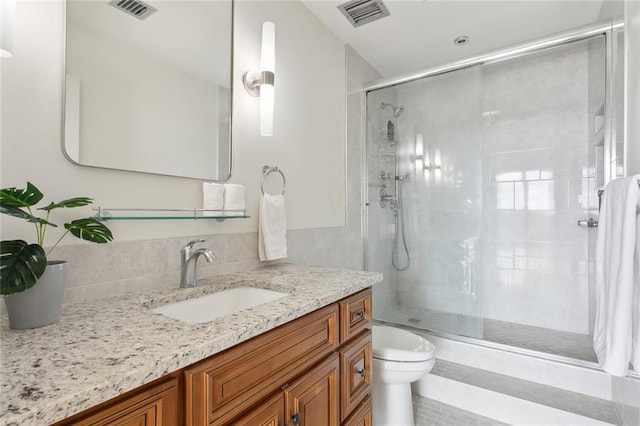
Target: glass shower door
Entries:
(426, 239)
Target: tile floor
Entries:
(427, 412)
(583, 405)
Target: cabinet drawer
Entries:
(221, 388)
(362, 416)
(355, 314)
(355, 373)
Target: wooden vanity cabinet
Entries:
(313, 371)
(320, 363)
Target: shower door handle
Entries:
(591, 223)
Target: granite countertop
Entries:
(102, 349)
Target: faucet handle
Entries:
(190, 244)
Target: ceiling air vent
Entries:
(135, 8)
(360, 12)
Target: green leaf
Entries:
(17, 212)
(16, 197)
(14, 211)
(90, 230)
(21, 265)
(71, 202)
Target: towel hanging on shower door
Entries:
(616, 335)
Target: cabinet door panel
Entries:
(362, 416)
(312, 400)
(269, 413)
(157, 406)
(355, 373)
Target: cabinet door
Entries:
(362, 416)
(355, 373)
(312, 400)
(269, 413)
(154, 407)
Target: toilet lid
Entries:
(394, 344)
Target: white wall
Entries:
(308, 143)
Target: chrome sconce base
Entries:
(253, 80)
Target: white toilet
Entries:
(399, 358)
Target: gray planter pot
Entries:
(41, 304)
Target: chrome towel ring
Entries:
(266, 171)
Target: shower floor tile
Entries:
(428, 412)
(572, 345)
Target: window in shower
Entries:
(503, 162)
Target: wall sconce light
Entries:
(262, 84)
(7, 19)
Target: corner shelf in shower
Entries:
(106, 214)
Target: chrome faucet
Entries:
(188, 259)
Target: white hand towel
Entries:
(272, 229)
(212, 196)
(617, 325)
(233, 199)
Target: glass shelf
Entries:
(106, 214)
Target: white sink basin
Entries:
(215, 305)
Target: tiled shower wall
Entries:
(98, 271)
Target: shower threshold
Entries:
(488, 331)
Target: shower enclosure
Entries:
(477, 177)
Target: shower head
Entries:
(397, 110)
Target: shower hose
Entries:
(399, 232)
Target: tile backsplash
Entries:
(98, 271)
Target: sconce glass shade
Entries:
(261, 84)
(268, 68)
(268, 52)
(7, 18)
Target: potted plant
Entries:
(32, 285)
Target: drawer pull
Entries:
(295, 419)
(360, 313)
(361, 372)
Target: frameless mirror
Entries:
(148, 86)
